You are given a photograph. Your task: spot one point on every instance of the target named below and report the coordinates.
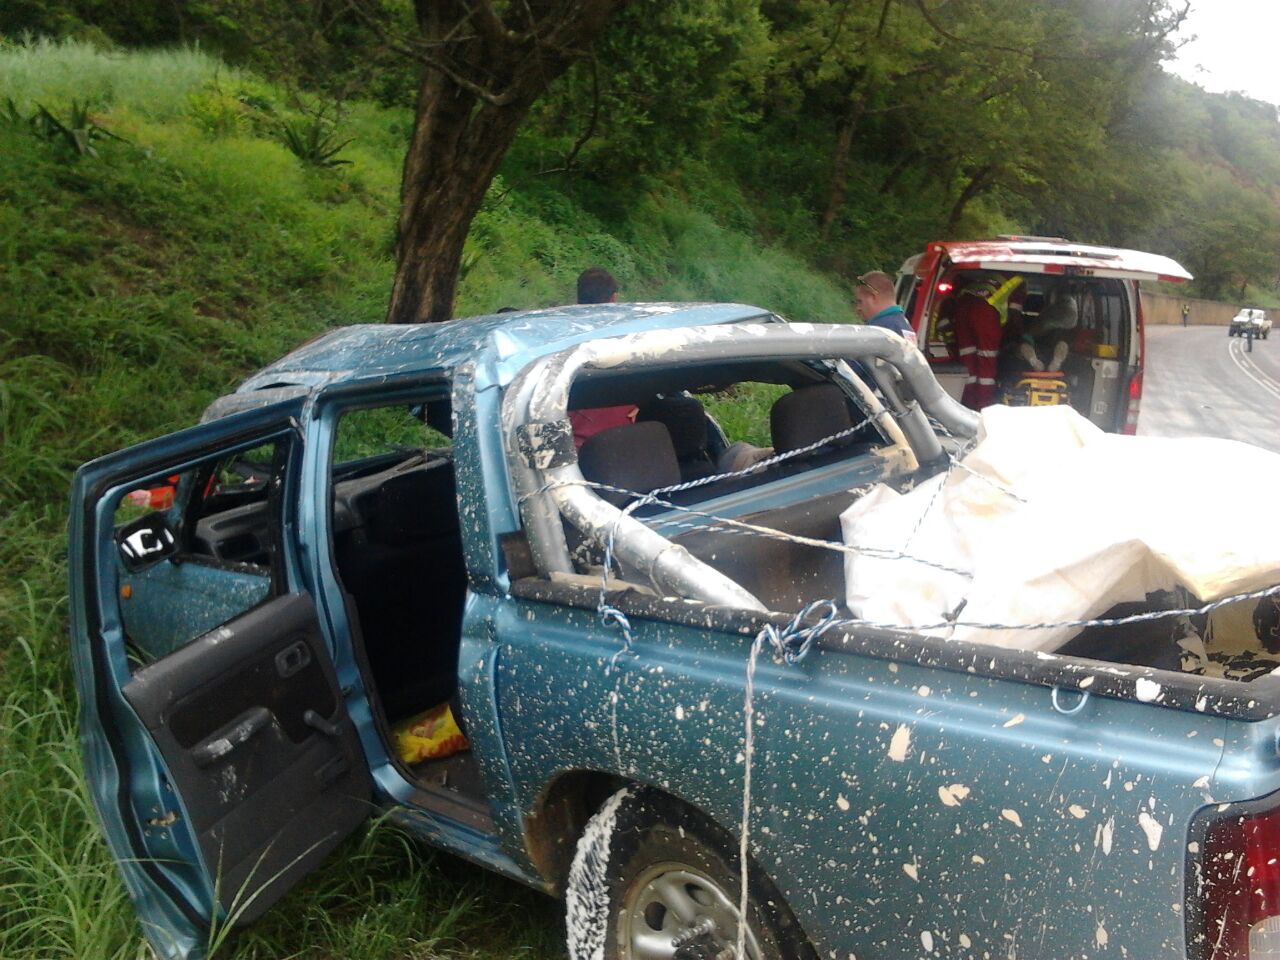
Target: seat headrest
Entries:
(685, 419)
(639, 457)
(415, 506)
(808, 414)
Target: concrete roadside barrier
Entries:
(1162, 309)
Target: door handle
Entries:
(246, 725)
(317, 722)
(292, 659)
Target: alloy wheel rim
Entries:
(671, 900)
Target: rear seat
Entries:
(639, 457)
(686, 420)
(408, 579)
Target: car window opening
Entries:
(723, 426)
(397, 547)
(222, 516)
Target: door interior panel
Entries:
(250, 722)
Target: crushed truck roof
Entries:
(499, 345)
(379, 349)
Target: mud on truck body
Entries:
(642, 633)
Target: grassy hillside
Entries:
(136, 285)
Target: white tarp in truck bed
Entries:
(1103, 519)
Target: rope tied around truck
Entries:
(790, 643)
(704, 520)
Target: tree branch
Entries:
(590, 130)
(1031, 54)
(423, 50)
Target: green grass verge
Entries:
(137, 285)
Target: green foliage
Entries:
(743, 411)
(154, 83)
(216, 113)
(664, 79)
(851, 133)
(137, 290)
(10, 115)
(313, 140)
(78, 133)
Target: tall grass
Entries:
(136, 286)
(59, 895)
(153, 82)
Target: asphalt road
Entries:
(1201, 383)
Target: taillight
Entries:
(1235, 888)
(1135, 403)
(1139, 361)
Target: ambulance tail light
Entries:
(1135, 404)
(1130, 425)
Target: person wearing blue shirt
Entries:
(875, 302)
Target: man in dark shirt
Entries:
(875, 301)
(597, 285)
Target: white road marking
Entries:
(1251, 370)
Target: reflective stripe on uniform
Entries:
(987, 353)
(987, 381)
(968, 351)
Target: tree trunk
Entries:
(485, 67)
(982, 178)
(456, 148)
(839, 183)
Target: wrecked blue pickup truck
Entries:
(533, 519)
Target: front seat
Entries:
(808, 414)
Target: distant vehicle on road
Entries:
(1104, 361)
(1250, 318)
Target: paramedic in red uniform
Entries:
(978, 336)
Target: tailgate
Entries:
(1067, 259)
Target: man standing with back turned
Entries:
(597, 285)
(876, 305)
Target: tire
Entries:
(648, 869)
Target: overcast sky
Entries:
(1234, 49)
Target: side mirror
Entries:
(145, 542)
